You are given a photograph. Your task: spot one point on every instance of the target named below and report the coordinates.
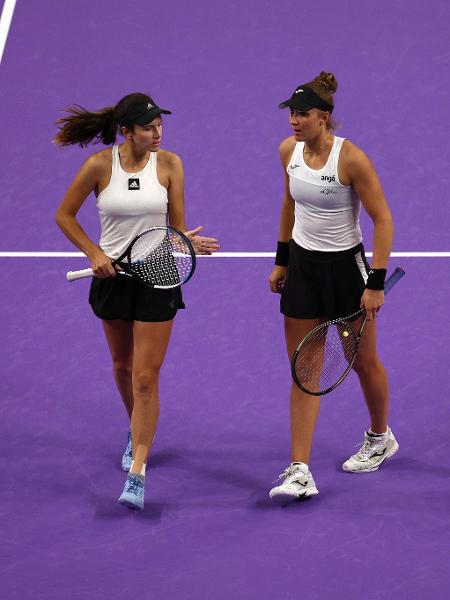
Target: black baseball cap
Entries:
(304, 98)
(142, 113)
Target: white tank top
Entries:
(125, 213)
(326, 212)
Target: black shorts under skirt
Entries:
(323, 284)
(126, 298)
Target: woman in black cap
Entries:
(321, 270)
(137, 185)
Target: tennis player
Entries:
(137, 185)
(322, 273)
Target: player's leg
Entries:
(119, 336)
(297, 479)
(112, 301)
(372, 377)
(153, 313)
(379, 442)
(302, 308)
(150, 345)
(304, 408)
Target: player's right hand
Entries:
(101, 265)
(277, 279)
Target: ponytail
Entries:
(82, 127)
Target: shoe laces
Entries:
(289, 472)
(134, 485)
(367, 447)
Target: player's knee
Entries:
(144, 382)
(366, 365)
(122, 369)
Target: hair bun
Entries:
(328, 81)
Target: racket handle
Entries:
(73, 275)
(393, 279)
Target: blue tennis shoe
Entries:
(133, 491)
(127, 455)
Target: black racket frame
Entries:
(393, 279)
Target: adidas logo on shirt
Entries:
(133, 184)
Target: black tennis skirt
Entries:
(323, 284)
(128, 299)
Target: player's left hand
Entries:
(201, 244)
(372, 301)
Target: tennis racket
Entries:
(161, 257)
(324, 358)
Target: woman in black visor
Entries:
(137, 185)
(322, 273)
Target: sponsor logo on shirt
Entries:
(133, 184)
(294, 166)
(328, 178)
(328, 191)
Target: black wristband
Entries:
(282, 255)
(375, 279)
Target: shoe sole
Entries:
(130, 504)
(391, 452)
(283, 499)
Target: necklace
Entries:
(305, 151)
(325, 147)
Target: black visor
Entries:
(142, 114)
(304, 98)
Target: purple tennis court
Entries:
(208, 529)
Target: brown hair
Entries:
(325, 85)
(82, 127)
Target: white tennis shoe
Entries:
(372, 453)
(298, 483)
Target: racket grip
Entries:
(73, 275)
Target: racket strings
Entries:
(161, 258)
(325, 356)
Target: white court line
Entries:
(5, 23)
(216, 255)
